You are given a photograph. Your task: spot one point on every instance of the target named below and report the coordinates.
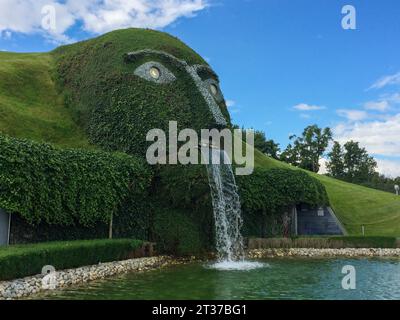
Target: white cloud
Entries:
(389, 168)
(6, 34)
(322, 166)
(230, 103)
(307, 107)
(378, 137)
(352, 115)
(386, 81)
(382, 105)
(95, 16)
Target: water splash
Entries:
(238, 265)
(226, 205)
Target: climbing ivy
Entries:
(64, 187)
(118, 108)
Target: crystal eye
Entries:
(213, 89)
(154, 73)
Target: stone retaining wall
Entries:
(321, 253)
(31, 285)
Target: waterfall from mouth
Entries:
(226, 205)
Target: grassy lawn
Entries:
(355, 205)
(29, 104)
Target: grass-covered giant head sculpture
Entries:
(125, 83)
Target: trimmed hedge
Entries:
(25, 260)
(317, 242)
(65, 187)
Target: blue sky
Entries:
(283, 64)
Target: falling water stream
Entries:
(227, 212)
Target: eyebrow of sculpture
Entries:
(201, 68)
(136, 55)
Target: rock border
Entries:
(28, 286)
(323, 253)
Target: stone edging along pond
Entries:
(321, 253)
(32, 285)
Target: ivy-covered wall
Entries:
(268, 193)
(67, 187)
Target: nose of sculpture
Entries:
(203, 87)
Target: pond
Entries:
(283, 278)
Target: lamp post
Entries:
(397, 188)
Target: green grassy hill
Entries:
(31, 108)
(354, 205)
(29, 104)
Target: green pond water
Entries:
(276, 279)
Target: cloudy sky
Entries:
(283, 64)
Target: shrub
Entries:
(25, 260)
(268, 190)
(65, 187)
(336, 242)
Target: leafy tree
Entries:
(352, 163)
(335, 166)
(359, 165)
(306, 151)
(269, 147)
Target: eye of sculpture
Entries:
(213, 89)
(155, 72)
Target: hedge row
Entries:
(318, 242)
(67, 187)
(269, 190)
(25, 260)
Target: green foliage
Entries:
(318, 242)
(335, 165)
(307, 150)
(183, 215)
(25, 260)
(367, 242)
(354, 205)
(381, 182)
(269, 190)
(352, 164)
(176, 232)
(118, 108)
(65, 187)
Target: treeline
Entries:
(348, 162)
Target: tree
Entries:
(352, 164)
(268, 147)
(335, 166)
(359, 165)
(308, 149)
